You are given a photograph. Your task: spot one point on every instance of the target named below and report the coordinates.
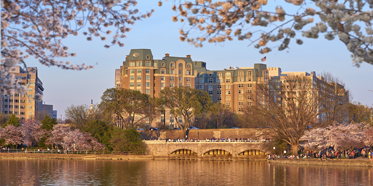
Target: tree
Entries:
(80, 115)
(153, 108)
(360, 113)
(13, 120)
(342, 136)
(11, 135)
(124, 105)
(222, 116)
(185, 102)
(291, 105)
(47, 122)
(219, 21)
(4, 118)
(37, 29)
(101, 131)
(32, 132)
(127, 141)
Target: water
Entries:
(174, 172)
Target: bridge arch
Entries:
(183, 152)
(217, 152)
(251, 152)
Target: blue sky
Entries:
(158, 33)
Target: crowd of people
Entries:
(329, 153)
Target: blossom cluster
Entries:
(29, 133)
(219, 21)
(340, 136)
(36, 28)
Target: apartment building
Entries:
(24, 106)
(236, 87)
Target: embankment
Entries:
(325, 162)
(74, 156)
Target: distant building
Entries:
(47, 110)
(24, 106)
(55, 114)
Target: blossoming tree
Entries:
(219, 21)
(31, 132)
(37, 29)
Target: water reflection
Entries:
(173, 172)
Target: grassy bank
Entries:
(325, 162)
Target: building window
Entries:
(180, 119)
(172, 78)
(30, 89)
(188, 65)
(240, 97)
(147, 71)
(201, 80)
(147, 56)
(228, 74)
(210, 92)
(139, 64)
(163, 71)
(155, 64)
(162, 85)
(132, 77)
(29, 113)
(147, 84)
(188, 85)
(249, 97)
(240, 91)
(22, 113)
(188, 72)
(201, 87)
(180, 78)
(132, 64)
(172, 85)
(188, 79)
(228, 98)
(240, 85)
(162, 78)
(219, 86)
(132, 71)
(228, 92)
(228, 104)
(22, 107)
(240, 109)
(211, 87)
(147, 64)
(30, 101)
(138, 85)
(227, 80)
(180, 71)
(249, 79)
(180, 84)
(171, 71)
(132, 84)
(241, 79)
(210, 80)
(163, 64)
(219, 98)
(249, 85)
(240, 103)
(228, 86)
(249, 103)
(218, 92)
(147, 77)
(172, 65)
(219, 75)
(249, 73)
(138, 77)
(139, 71)
(147, 91)
(249, 91)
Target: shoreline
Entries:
(325, 162)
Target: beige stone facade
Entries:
(24, 106)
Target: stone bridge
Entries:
(208, 149)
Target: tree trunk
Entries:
(294, 149)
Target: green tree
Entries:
(101, 131)
(360, 113)
(4, 118)
(185, 102)
(13, 120)
(122, 106)
(47, 122)
(127, 141)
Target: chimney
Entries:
(126, 56)
(167, 55)
(188, 56)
